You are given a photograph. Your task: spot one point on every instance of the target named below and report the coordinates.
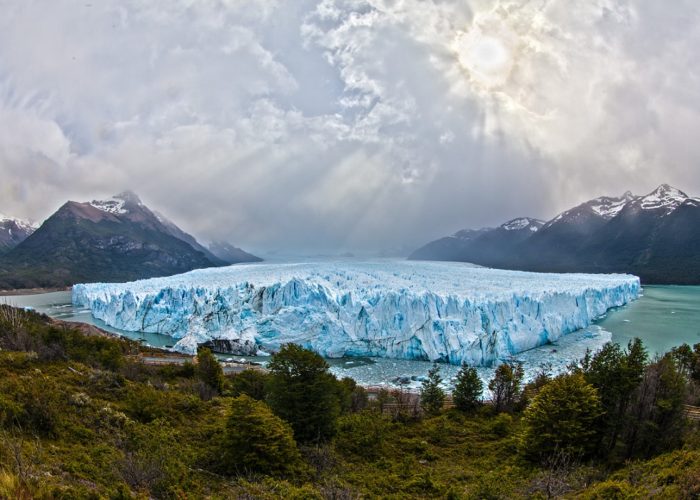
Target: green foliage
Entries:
(249, 382)
(209, 371)
(562, 418)
(502, 424)
(616, 374)
(432, 397)
(655, 419)
(303, 392)
(256, 440)
(362, 434)
(505, 386)
(611, 490)
(468, 389)
(95, 429)
(153, 460)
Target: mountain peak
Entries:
(119, 203)
(523, 223)
(128, 196)
(664, 197)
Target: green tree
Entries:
(505, 386)
(256, 440)
(209, 370)
(251, 383)
(432, 397)
(562, 418)
(616, 374)
(656, 418)
(468, 389)
(303, 392)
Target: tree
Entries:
(432, 397)
(256, 440)
(655, 420)
(209, 370)
(616, 374)
(505, 386)
(468, 389)
(562, 418)
(251, 383)
(303, 392)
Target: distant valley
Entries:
(119, 239)
(656, 237)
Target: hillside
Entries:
(104, 240)
(83, 417)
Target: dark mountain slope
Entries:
(113, 240)
(656, 237)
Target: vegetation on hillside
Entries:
(81, 417)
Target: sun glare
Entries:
(488, 59)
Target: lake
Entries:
(664, 317)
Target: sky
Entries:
(345, 125)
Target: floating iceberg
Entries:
(434, 311)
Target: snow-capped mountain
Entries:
(13, 231)
(103, 240)
(656, 236)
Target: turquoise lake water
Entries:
(664, 317)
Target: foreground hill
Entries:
(84, 417)
(656, 236)
(104, 240)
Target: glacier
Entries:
(430, 311)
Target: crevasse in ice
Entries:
(437, 311)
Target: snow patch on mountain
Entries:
(664, 198)
(396, 309)
(112, 206)
(523, 223)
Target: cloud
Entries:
(345, 124)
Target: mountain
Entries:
(119, 239)
(656, 236)
(13, 232)
(230, 254)
(486, 246)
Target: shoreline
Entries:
(32, 291)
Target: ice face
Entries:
(435, 311)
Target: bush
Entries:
(562, 418)
(255, 440)
(362, 434)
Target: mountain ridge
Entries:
(655, 236)
(118, 239)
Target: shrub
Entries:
(562, 418)
(362, 434)
(255, 440)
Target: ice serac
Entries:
(449, 312)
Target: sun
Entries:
(487, 55)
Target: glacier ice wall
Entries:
(437, 311)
